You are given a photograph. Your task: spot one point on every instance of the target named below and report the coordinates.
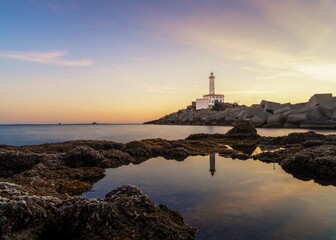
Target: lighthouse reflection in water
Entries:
(236, 203)
(212, 158)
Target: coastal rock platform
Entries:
(319, 113)
(40, 185)
(125, 213)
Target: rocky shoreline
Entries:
(318, 113)
(40, 185)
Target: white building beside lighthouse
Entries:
(209, 100)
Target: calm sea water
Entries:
(37, 134)
(242, 200)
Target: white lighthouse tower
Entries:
(209, 100)
(211, 83)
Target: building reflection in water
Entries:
(212, 159)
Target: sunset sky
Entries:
(119, 61)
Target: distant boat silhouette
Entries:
(59, 123)
(94, 123)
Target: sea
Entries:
(30, 134)
(223, 198)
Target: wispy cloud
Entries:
(52, 57)
(265, 36)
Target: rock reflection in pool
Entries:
(243, 200)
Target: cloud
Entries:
(325, 71)
(52, 57)
(295, 37)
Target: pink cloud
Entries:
(52, 57)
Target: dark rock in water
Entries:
(269, 156)
(247, 149)
(98, 145)
(240, 156)
(115, 158)
(242, 127)
(242, 130)
(137, 149)
(13, 162)
(312, 143)
(200, 136)
(318, 163)
(294, 138)
(41, 204)
(83, 156)
(125, 213)
(177, 153)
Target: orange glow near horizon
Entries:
(148, 60)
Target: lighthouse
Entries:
(209, 100)
(212, 159)
(211, 83)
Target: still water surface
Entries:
(242, 200)
(37, 134)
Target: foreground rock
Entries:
(316, 162)
(243, 130)
(125, 213)
(40, 185)
(318, 112)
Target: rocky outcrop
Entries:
(317, 162)
(298, 138)
(83, 156)
(41, 183)
(13, 162)
(242, 130)
(125, 213)
(318, 112)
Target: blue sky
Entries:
(132, 61)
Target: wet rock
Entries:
(269, 156)
(137, 149)
(83, 156)
(115, 158)
(318, 163)
(242, 130)
(312, 143)
(240, 156)
(200, 136)
(177, 153)
(100, 145)
(13, 162)
(242, 127)
(23, 215)
(295, 138)
(247, 149)
(125, 213)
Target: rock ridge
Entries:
(319, 112)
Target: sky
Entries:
(129, 61)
